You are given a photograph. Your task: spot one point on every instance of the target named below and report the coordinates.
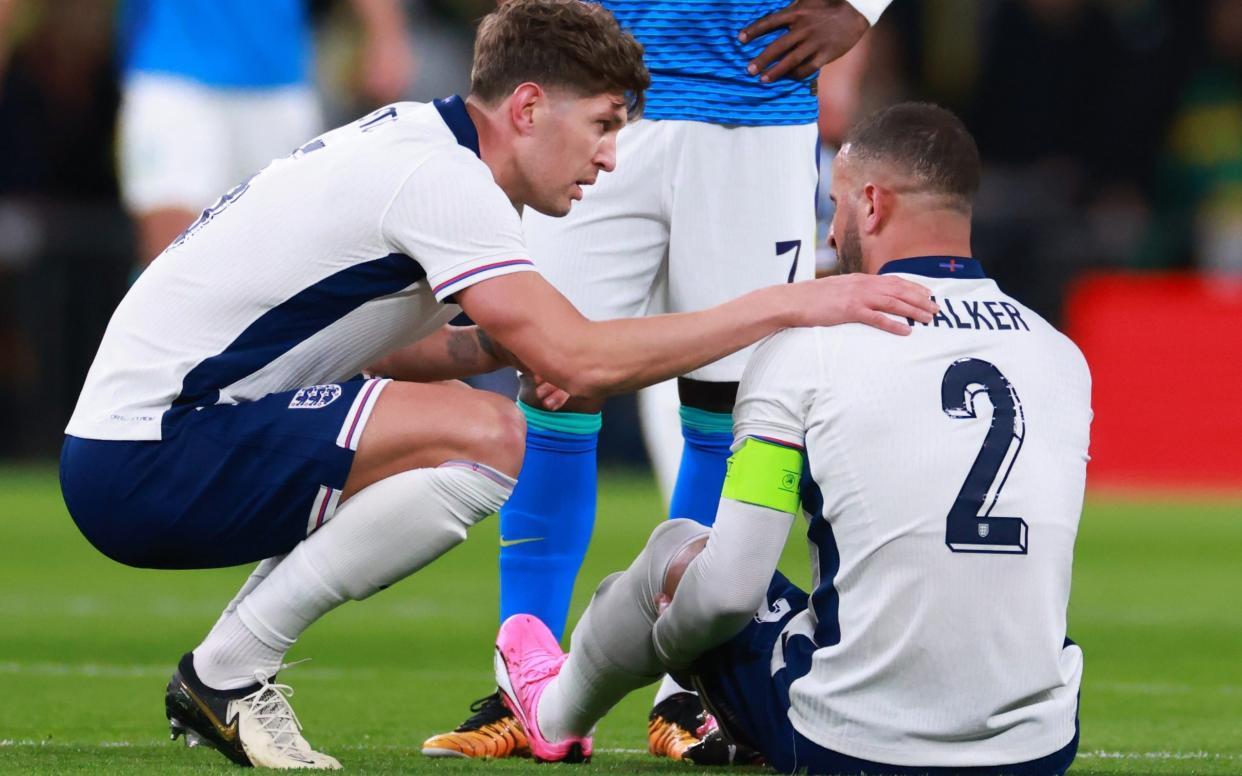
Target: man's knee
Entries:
(673, 544)
(423, 426)
(497, 434)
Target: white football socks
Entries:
(612, 653)
(381, 535)
(668, 687)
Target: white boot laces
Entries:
(269, 705)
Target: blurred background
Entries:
(1111, 131)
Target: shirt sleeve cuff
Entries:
(460, 277)
(768, 432)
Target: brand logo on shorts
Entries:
(773, 612)
(315, 396)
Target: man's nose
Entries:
(606, 156)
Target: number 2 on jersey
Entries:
(970, 524)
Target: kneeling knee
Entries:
(499, 435)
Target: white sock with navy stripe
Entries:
(381, 535)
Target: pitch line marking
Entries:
(1098, 754)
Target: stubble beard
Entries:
(849, 249)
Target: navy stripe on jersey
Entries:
(295, 320)
(698, 66)
(453, 111)
(824, 600)
(936, 267)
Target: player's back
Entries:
(948, 473)
(314, 267)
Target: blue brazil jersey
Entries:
(241, 44)
(698, 66)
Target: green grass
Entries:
(86, 645)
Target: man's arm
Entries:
(723, 587)
(451, 353)
(531, 319)
(387, 58)
(816, 33)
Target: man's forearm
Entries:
(625, 354)
(452, 353)
(533, 321)
(724, 586)
(380, 17)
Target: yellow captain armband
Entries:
(765, 474)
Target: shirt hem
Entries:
(903, 758)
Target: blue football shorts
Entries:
(752, 705)
(228, 484)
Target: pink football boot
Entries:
(527, 658)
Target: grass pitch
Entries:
(86, 645)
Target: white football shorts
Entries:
(695, 214)
(181, 144)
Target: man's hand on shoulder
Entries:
(859, 298)
(816, 33)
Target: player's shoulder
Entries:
(435, 163)
(782, 356)
(788, 343)
(1069, 356)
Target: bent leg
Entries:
(612, 652)
(706, 414)
(389, 525)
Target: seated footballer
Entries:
(942, 479)
(226, 418)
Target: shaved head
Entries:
(917, 148)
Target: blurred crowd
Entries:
(1111, 132)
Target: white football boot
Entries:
(251, 726)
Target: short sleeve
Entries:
(774, 397)
(452, 218)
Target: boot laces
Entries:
(270, 707)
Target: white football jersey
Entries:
(948, 470)
(329, 258)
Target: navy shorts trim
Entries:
(752, 705)
(228, 484)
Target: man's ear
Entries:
(523, 105)
(877, 203)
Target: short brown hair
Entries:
(566, 43)
(926, 142)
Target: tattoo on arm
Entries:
(463, 348)
(486, 344)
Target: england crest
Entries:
(315, 396)
(984, 530)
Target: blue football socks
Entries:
(704, 458)
(546, 525)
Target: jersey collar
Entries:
(453, 111)
(936, 267)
